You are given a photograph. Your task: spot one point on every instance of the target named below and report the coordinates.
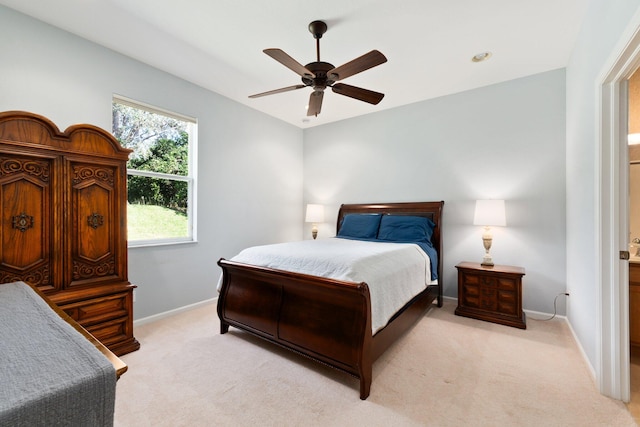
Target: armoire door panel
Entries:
(94, 251)
(22, 205)
(93, 217)
(26, 244)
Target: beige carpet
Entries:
(447, 371)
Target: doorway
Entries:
(633, 109)
(612, 337)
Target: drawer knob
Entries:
(22, 222)
(95, 220)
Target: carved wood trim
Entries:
(82, 173)
(38, 277)
(82, 270)
(40, 170)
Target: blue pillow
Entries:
(406, 228)
(361, 226)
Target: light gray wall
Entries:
(249, 169)
(602, 28)
(505, 141)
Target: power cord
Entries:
(554, 308)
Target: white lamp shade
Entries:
(490, 212)
(315, 213)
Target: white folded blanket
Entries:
(394, 272)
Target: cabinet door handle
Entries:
(95, 220)
(22, 222)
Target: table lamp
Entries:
(489, 213)
(315, 215)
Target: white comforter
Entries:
(394, 272)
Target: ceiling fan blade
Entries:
(273, 92)
(283, 58)
(364, 62)
(315, 103)
(358, 93)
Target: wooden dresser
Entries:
(493, 293)
(64, 219)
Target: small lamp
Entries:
(489, 213)
(315, 214)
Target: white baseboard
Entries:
(583, 353)
(169, 313)
(541, 315)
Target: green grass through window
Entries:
(147, 222)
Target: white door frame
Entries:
(612, 222)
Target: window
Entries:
(160, 172)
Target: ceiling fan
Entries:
(320, 75)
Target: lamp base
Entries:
(486, 263)
(487, 239)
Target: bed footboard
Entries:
(327, 320)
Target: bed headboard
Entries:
(431, 210)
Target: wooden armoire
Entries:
(64, 221)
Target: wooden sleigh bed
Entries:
(324, 319)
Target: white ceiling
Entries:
(218, 44)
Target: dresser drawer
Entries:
(98, 310)
(110, 332)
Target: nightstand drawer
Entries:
(493, 294)
(471, 290)
(507, 303)
(470, 279)
(488, 297)
(507, 284)
(488, 282)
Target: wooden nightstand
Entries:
(493, 293)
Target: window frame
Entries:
(190, 178)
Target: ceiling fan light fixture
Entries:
(320, 75)
(479, 57)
